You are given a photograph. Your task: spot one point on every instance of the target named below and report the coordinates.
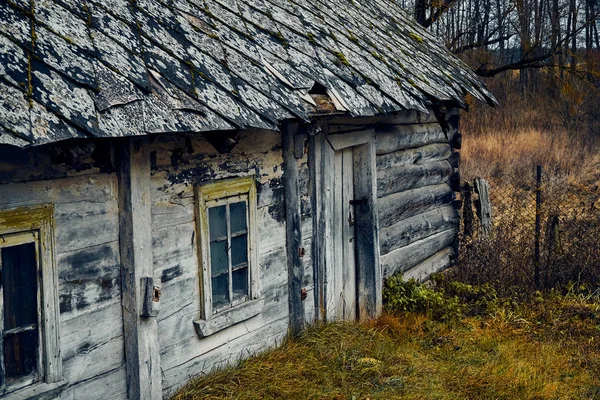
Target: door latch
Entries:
(363, 203)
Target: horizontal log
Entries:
(253, 340)
(112, 385)
(399, 137)
(454, 159)
(419, 155)
(98, 188)
(398, 206)
(436, 263)
(401, 178)
(407, 257)
(420, 226)
(85, 224)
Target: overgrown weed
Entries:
(545, 348)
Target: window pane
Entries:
(239, 250)
(239, 280)
(20, 354)
(19, 280)
(217, 223)
(237, 212)
(218, 258)
(220, 290)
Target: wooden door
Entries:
(345, 237)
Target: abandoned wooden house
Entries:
(184, 182)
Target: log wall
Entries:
(179, 163)
(79, 179)
(417, 219)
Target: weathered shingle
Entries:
(91, 68)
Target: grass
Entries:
(548, 125)
(547, 348)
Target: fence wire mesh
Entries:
(566, 233)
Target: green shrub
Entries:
(476, 299)
(401, 296)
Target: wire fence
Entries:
(544, 232)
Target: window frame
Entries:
(16, 225)
(212, 195)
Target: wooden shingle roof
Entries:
(109, 68)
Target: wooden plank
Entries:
(397, 137)
(436, 263)
(94, 359)
(484, 206)
(407, 117)
(398, 206)
(90, 329)
(89, 279)
(402, 259)
(336, 279)
(420, 226)
(228, 318)
(316, 202)
(253, 340)
(110, 385)
(367, 231)
(135, 227)
(350, 139)
(86, 224)
(182, 346)
(419, 155)
(401, 178)
(348, 260)
(293, 228)
(96, 188)
(346, 128)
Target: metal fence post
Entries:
(538, 204)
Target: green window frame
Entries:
(29, 312)
(226, 219)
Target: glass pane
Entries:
(239, 280)
(19, 280)
(218, 258)
(20, 354)
(237, 213)
(217, 223)
(220, 291)
(239, 250)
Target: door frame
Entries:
(368, 267)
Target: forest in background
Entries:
(541, 59)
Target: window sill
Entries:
(228, 318)
(40, 391)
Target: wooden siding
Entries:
(80, 183)
(179, 163)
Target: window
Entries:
(226, 223)
(228, 249)
(28, 301)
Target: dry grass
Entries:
(498, 155)
(548, 349)
(558, 128)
